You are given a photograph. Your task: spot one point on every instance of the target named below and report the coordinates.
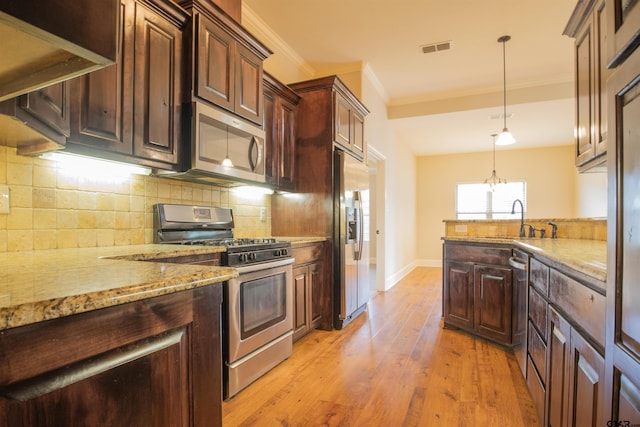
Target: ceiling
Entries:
(452, 100)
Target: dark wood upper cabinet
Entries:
(227, 62)
(38, 121)
(50, 41)
(280, 104)
(588, 26)
(623, 21)
(157, 86)
(346, 113)
(131, 111)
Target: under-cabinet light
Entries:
(94, 168)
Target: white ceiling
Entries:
(442, 102)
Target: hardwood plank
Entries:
(394, 365)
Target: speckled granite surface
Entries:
(301, 240)
(586, 256)
(42, 285)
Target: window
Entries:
(478, 201)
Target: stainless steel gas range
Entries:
(258, 304)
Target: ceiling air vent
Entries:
(436, 47)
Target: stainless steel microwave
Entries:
(215, 135)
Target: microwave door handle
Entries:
(254, 151)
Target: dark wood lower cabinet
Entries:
(478, 290)
(558, 367)
(155, 362)
(458, 294)
(565, 374)
(493, 302)
(311, 298)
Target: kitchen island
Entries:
(96, 337)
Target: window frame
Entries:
(485, 214)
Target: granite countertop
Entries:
(301, 240)
(42, 285)
(585, 256)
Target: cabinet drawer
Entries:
(538, 312)
(536, 388)
(539, 276)
(306, 254)
(583, 305)
(478, 254)
(537, 351)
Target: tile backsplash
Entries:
(51, 208)
(568, 228)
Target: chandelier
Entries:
(493, 180)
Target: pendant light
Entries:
(505, 137)
(493, 180)
(227, 163)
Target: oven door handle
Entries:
(264, 265)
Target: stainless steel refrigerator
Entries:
(351, 238)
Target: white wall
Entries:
(591, 195)
(400, 186)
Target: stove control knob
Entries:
(285, 252)
(242, 257)
(252, 256)
(277, 252)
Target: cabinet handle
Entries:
(518, 263)
(59, 378)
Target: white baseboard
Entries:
(428, 263)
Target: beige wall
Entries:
(553, 188)
(399, 253)
(51, 208)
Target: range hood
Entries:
(48, 41)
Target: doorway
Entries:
(377, 205)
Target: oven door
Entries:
(259, 307)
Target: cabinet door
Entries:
(358, 142)
(300, 301)
(342, 126)
(248, 85)
(316, 283)
(279, 126)
(157, 87)
(623, 20)
(287, 146)
(591, 77)
(584, 93)
(558, 368)
(154, 387)
(458, 294)
(215, 67)
(586, 391)
(623, 292)
(102, 101)
(271, 137)
(493, 302)
(50, 105)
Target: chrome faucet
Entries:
(513, 210)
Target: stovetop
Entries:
(197, 225)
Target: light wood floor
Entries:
(393, 366)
